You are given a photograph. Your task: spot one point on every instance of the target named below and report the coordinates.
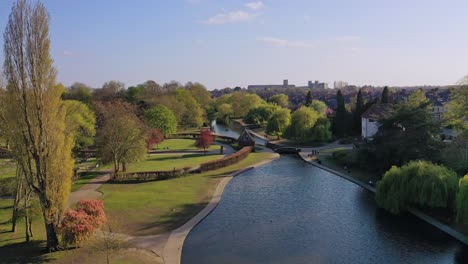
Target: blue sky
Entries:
(229, 43)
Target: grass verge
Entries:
(180, 145)
(160, 206)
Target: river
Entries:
(289, 211)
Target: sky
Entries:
(228, 43)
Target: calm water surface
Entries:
(290, 212)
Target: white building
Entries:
(370, 119)
(257, 87)
(339, 84)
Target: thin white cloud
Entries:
(348, 38)
(284, 43)
(67, 53)
(232, 17)
(255, 5)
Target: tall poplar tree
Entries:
(33, 114)
(308, 100)
(340, 122)
(358, 111)
(385, 96)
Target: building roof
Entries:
(245, 139)
(377, 111)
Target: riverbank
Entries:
(173, 249)
(426, 218)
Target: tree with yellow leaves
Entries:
(33, 113)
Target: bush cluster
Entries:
(462, 201)
(150, 175)
(344, 157)
(226, 161)
(79, 224)
(418, 183)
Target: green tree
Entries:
(455, 153)
(418, 183)
(280, 99)
(199, 93)
(308, 100)
(79, 92)
(319, 107)
(80, 122)
(340, 122)
(33, 114)
(457, 112)
(121, 139)
(409, 133)
(321, 130)
(161, 118)
(302, 122)
(358, 111)
(241, 102)
(110, 91)
(462, 201)
(279, 121)
(261, 114)
(192, 114)
(385, 95)
(224, 113)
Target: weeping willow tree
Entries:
(462, 201)
(33, 114)
(418, 183)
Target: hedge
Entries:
(227, 160)
(125, 177)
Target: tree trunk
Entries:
(50, 228)
(52, 240)
(26, 222)
(18, 195)
(26, 217)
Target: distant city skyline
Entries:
(239, 43)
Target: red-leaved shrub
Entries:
(79, 224)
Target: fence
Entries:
(226, 161)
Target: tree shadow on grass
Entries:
(174, 219)
(24, 252)
(223, 174)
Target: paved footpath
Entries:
(89, 190)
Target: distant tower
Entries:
(310, 84)
(285, 83)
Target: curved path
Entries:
(89, 190)
(168, 246)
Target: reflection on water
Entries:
(291, 212)
(232, 130)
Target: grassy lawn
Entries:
(180, 144)
(163, 162)
(139, 209)
(160, 206)
(13, 248)
(356, 173)
(7, 168)
(85, 177)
